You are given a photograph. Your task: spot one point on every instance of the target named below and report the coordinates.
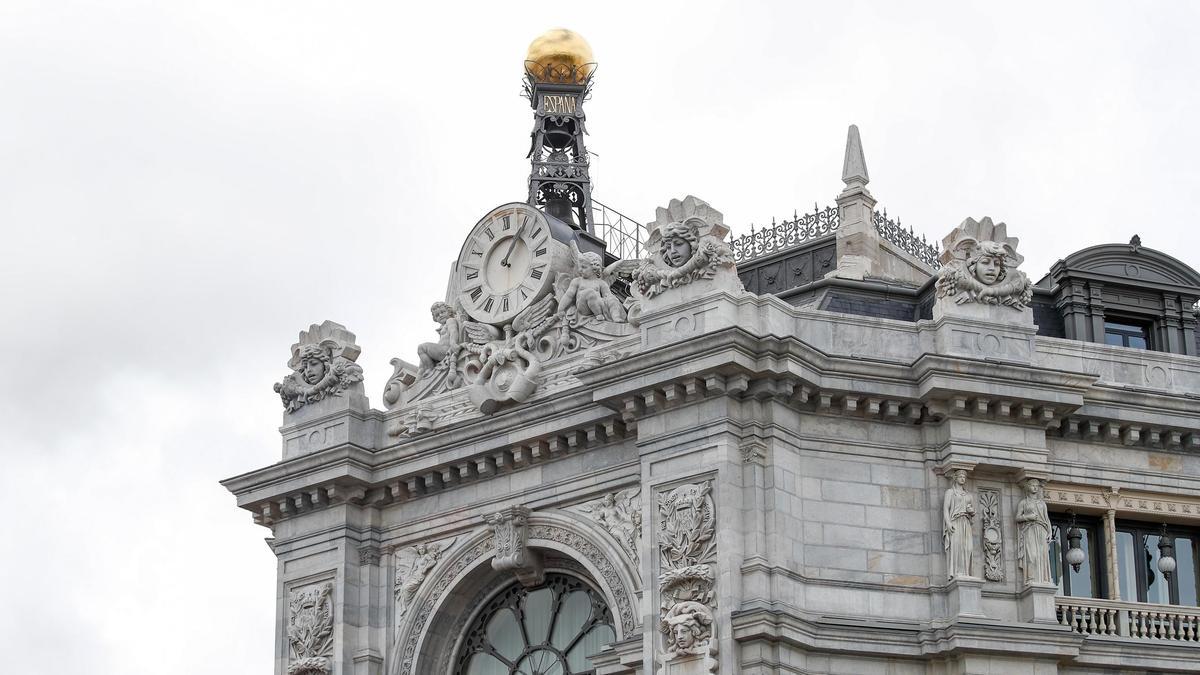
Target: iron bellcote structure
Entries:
(558, 79)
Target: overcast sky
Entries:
(185, 186)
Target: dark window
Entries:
(1089, 581)
(1137, 565)
(1127, 334)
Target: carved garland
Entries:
(992, 535)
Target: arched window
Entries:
(551, 629)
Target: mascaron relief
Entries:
(322, 365)
(687, 238)
(979, 264)
(687, 559)
(310, 630)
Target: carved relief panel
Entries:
(687, 549)
(310, 629)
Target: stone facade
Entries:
(751, 486)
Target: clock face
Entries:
(506, 264)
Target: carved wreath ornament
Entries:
(310, 630)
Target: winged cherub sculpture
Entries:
(587, 293)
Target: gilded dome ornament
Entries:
(560, 55)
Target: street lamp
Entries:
(1166, 553)
(1075, 554)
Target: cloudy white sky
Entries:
(186, 185)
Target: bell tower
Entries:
(558, 79)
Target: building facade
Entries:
(826, 446)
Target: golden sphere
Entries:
(559, 51)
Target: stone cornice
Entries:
(873, 636)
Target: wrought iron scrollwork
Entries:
(906, 240)
(786, 234)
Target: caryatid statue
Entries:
(1033, 534)
(958, 512)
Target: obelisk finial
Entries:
(854, 168)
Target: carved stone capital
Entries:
(510, 529)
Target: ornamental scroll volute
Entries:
(687, 573)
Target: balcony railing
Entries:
(622, 234)
(1091, 616)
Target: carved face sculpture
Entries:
(314, 370)
(590, 265)
(960, 477)
(683, 635)
(678, 242)
(989, 263)
(441, 312)
(1033, 487)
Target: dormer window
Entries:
(1127, 334)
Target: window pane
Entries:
(505, 634)
(1126, 567)
(1081, 581)
(1185, 557)
(1157, 590)
(575, 612)
(1137, 341)
(537, 611)
(589, 645)
(1114, 339)
(486, 664)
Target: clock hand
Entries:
(513, 245)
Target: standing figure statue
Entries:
(447, 346)
(957, 514)
(1033, 534)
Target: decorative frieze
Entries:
(310, 629)
(687, 548)
(992, 536)
(1123, 502)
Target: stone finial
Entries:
(854, 167)
(323, 365)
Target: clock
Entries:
(507, 263)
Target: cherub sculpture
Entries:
(979, 264)
(588, 293)
(445, 350)
(322, 365)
